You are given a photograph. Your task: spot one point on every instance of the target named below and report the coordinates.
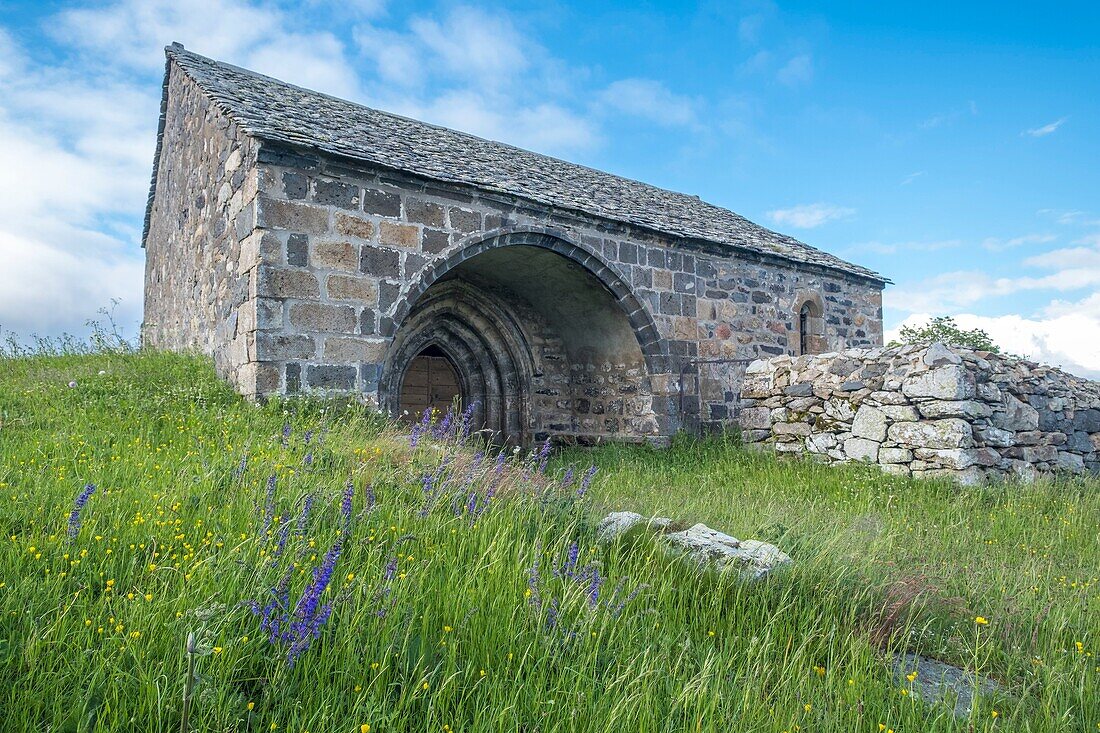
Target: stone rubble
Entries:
(708, 547)
(926, 411)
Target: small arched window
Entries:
(804, 329)
(811, 325)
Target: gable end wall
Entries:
(200, 246)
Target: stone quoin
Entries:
(312, 245)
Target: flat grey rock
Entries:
(941, 683)
(752, 558)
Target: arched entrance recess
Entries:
(544, 337)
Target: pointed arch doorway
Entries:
(430, 382)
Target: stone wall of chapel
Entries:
(200, 234)
(288, 268)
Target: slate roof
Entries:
(273, 110)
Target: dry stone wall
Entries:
(926, 411)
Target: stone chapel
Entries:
(314, 245)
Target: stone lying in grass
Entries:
(940, 683)
(752, 558)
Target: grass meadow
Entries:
(332, 576)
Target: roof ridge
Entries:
(277, 111)
(175, 49)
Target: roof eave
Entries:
(160, 142)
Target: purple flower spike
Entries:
(303, 518)
(586, 481)
(544, 455)
(78, 505)
(269, 504)
(346, 502)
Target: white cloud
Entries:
(798, 70)
(1071, 268)
(79, 125)
(46, 289)
(134, 32)
(911, 177)
(79, 138)
(649, 99)
(1045, 129)
(809, 216)
(484, 48)
(996, 244)
(889, 248)
(1067, 336)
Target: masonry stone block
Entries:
(283, 347)
(297, 250)
(381, 203)
(361, 289)
(464, 221)
(346, 350)
(336, 193)
(861, 449)
(329, 255)
(428, 213)
(295, 217)
(434, 241)
(1015, 415)
(380, 262)
(399, 235)
(970, 409)
(869, 423)
(323, 318)
(350, 225)
(946, 433)
(331, 377)
(280, 282)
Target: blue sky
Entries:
(954, 149)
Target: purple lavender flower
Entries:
(467, 420)
(390, 570)
(570, 567)
(421, 427)
(286, 435)
(346, 503)
(552, 615)
(371, 501)
(567, 478)
(78, 505)
(303, 518)
(309, 615)
(269, 505)
(280, 544)
(307, 436)
(534, 598)
(241, 467)
(272, 622)
(595, 582)
(441, 430)
(586, 481)
(308, 460)
(543, 455)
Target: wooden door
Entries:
(430, 382)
